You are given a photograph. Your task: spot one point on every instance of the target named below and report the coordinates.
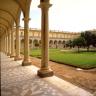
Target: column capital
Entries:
(26, 19)
(44, 1)
(17, 26)
(44, 5)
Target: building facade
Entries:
(57, 39)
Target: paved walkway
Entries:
(17, 80)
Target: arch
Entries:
(59, 42)
(63, 41)
(9, 14)
(3, 28)
(36, 43)
(20, 5)
(4, 25)
(5, 20)
(39, 41)
(55, 42)
(30, 41)
(51, 42)
(25, 8)
(22, 40)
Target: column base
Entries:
(8, 54)
(17, 58)
(26, 63)
(12, 56)
(45, 73)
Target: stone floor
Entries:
(17, 80)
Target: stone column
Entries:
(17, 51)
(8, 44)
(5, 42)
(12, 44)
(0, 44)
(26, 60)
(45, 71)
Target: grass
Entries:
(85, 60)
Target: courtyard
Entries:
(23, 81)
(48, 55)
(84, 59)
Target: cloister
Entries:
(10, 11)
(56, 38)
(11, 15)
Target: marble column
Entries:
(26, 60)
(12, 44)
(17, 51)
(45, 71)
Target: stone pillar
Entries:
(17, 51)
(5, 42)
(12, 44)
(8, 44)
(26, 60)
(45, 71)
(0, 44)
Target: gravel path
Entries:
(83, 78)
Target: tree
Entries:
(94, 40)
(87, 35)
(69, 43)
(80, 41)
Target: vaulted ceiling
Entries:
(10, 12)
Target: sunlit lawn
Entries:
(82, 60)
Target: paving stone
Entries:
(17, 80)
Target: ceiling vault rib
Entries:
(5, 20)
(4, 25)
(9, 14)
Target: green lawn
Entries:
(82, 60)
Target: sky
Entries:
(66, 15)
